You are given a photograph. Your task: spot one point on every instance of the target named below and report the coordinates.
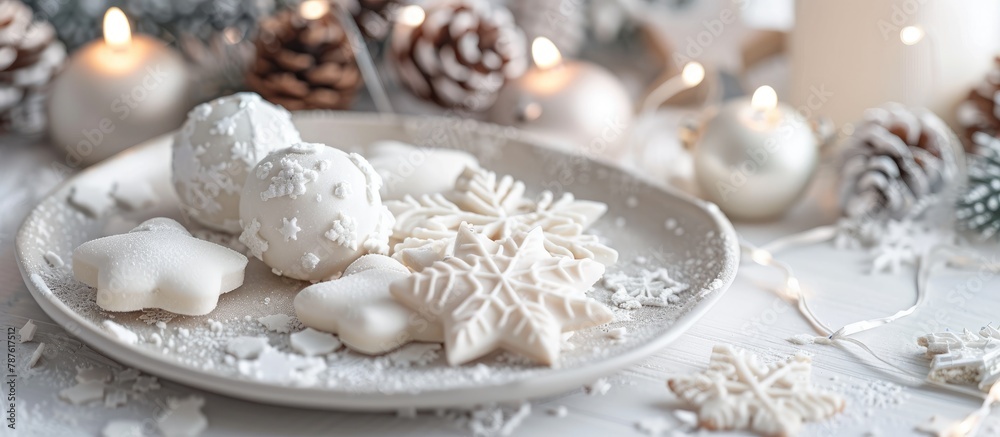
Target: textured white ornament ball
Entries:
(753, 168)
(216, 148)
(310, 210)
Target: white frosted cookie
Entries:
(359, 308)
(414, 171)
(309, 211)
(495, 206)
(512, 295)
(158, 265)
(216, 148)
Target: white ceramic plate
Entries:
(650, 226)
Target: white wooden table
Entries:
(880, 402)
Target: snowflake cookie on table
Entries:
(426, 227)
(512, 295)
(964, 358)
(738, 391)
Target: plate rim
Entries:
(530, 387)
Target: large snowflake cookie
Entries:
(310, 210)
(360, 309)
(496, 207)
(738, 391)
(158, 265)
(512, 295)
(216, 148)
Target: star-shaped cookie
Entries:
(359, 308)
(511, 295)
(158, 265)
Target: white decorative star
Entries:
(496, 207)
(252, 240)
(158, 265)
(360, 309)
(738, 391)
(344, 232)
(511, 295)
(289, 228)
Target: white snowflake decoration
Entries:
(344, 232)
(252, 240)
(510, 295)
(289, 228)
(738, 391)
(649, 287)
(496, 207)
(966, 358)
(291, 180)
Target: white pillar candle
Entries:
(850, 55)
(115, 93)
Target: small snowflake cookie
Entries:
(216, 148)
(299, 219)
(158, 265)
(739, 391)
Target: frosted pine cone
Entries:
(305, 64)
(979, 207)
(30, 55)
(898, 159)
(980, 112)
(460, 55)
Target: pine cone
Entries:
(979, 207)
(30, 56)
(561, 21)
(460, 55)
(897, 160)
(980, 112)
(304, 64)
(372, 16)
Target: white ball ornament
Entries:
(216, 148)
(309, 211)
(756, 157)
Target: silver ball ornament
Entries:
(755, 163)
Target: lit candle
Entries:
(755, 157)
(577, 105)
(115, 93)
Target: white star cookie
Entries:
(359, 308)
(158, 265)
(511, 295)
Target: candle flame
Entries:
(911, 35)
(412, 15)
(117, 33)
(764, 98)
(545, 53)
(693, 74)
(313, 9)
